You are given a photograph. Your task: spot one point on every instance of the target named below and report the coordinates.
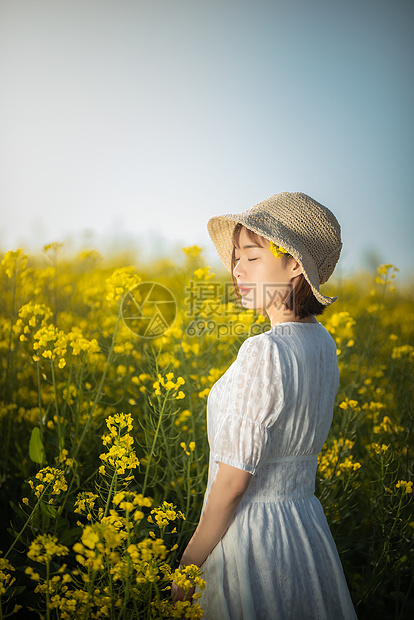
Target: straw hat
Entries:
(306, 229)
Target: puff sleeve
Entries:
(250, 406)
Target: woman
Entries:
(263, 541)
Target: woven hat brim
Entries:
(221, 229)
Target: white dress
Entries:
(270, 414)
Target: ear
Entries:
(295, 268)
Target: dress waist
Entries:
(283, 478)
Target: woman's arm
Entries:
(225, 494)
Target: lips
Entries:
(243, 290)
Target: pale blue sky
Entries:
(138, 120)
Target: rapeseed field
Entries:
(105, 372)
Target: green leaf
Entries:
(36, 449)
(70, 536)
(15, 591)
(48, 510)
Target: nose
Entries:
(238, 270)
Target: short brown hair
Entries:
(300, 298)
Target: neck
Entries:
(282, 315)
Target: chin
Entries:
(249, 304)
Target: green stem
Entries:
(157, 430)
(111, 489)
(369, 340)
(126, 591)
(91, 582)
(100, 387)
(187, 506)
(387, 535)
(57, 408)
(19, 535)
(47, 591)
(61, 507)
(167, 444)
(65, 402)
(394, 525)
(79, 382)
(110, 585)
(39, 400)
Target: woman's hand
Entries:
(177, 594)
(225, 495)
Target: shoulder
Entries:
(259, 348)
(314, 333)
(327, 336)
(256, 343)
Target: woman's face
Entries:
(262, 279)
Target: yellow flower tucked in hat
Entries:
(277, 250)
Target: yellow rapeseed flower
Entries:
(184, 447)
(192, 251)
(120, 282)
(120, 455)
(183, 417)
(164, 514)
(90, 537)
(337, 460)
(407, 487)
(187, 577)
(50, 479)
(203, 273)
(179, 610)
(277, 250)
(85, 502)
(349, 404)
(380, 449)
(6, 579)
(404, 350)
(170, 385)
(45, 547)
(386, 273)
(387, 426)
(204, 393)
(14, 262)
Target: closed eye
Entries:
(250, 259)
